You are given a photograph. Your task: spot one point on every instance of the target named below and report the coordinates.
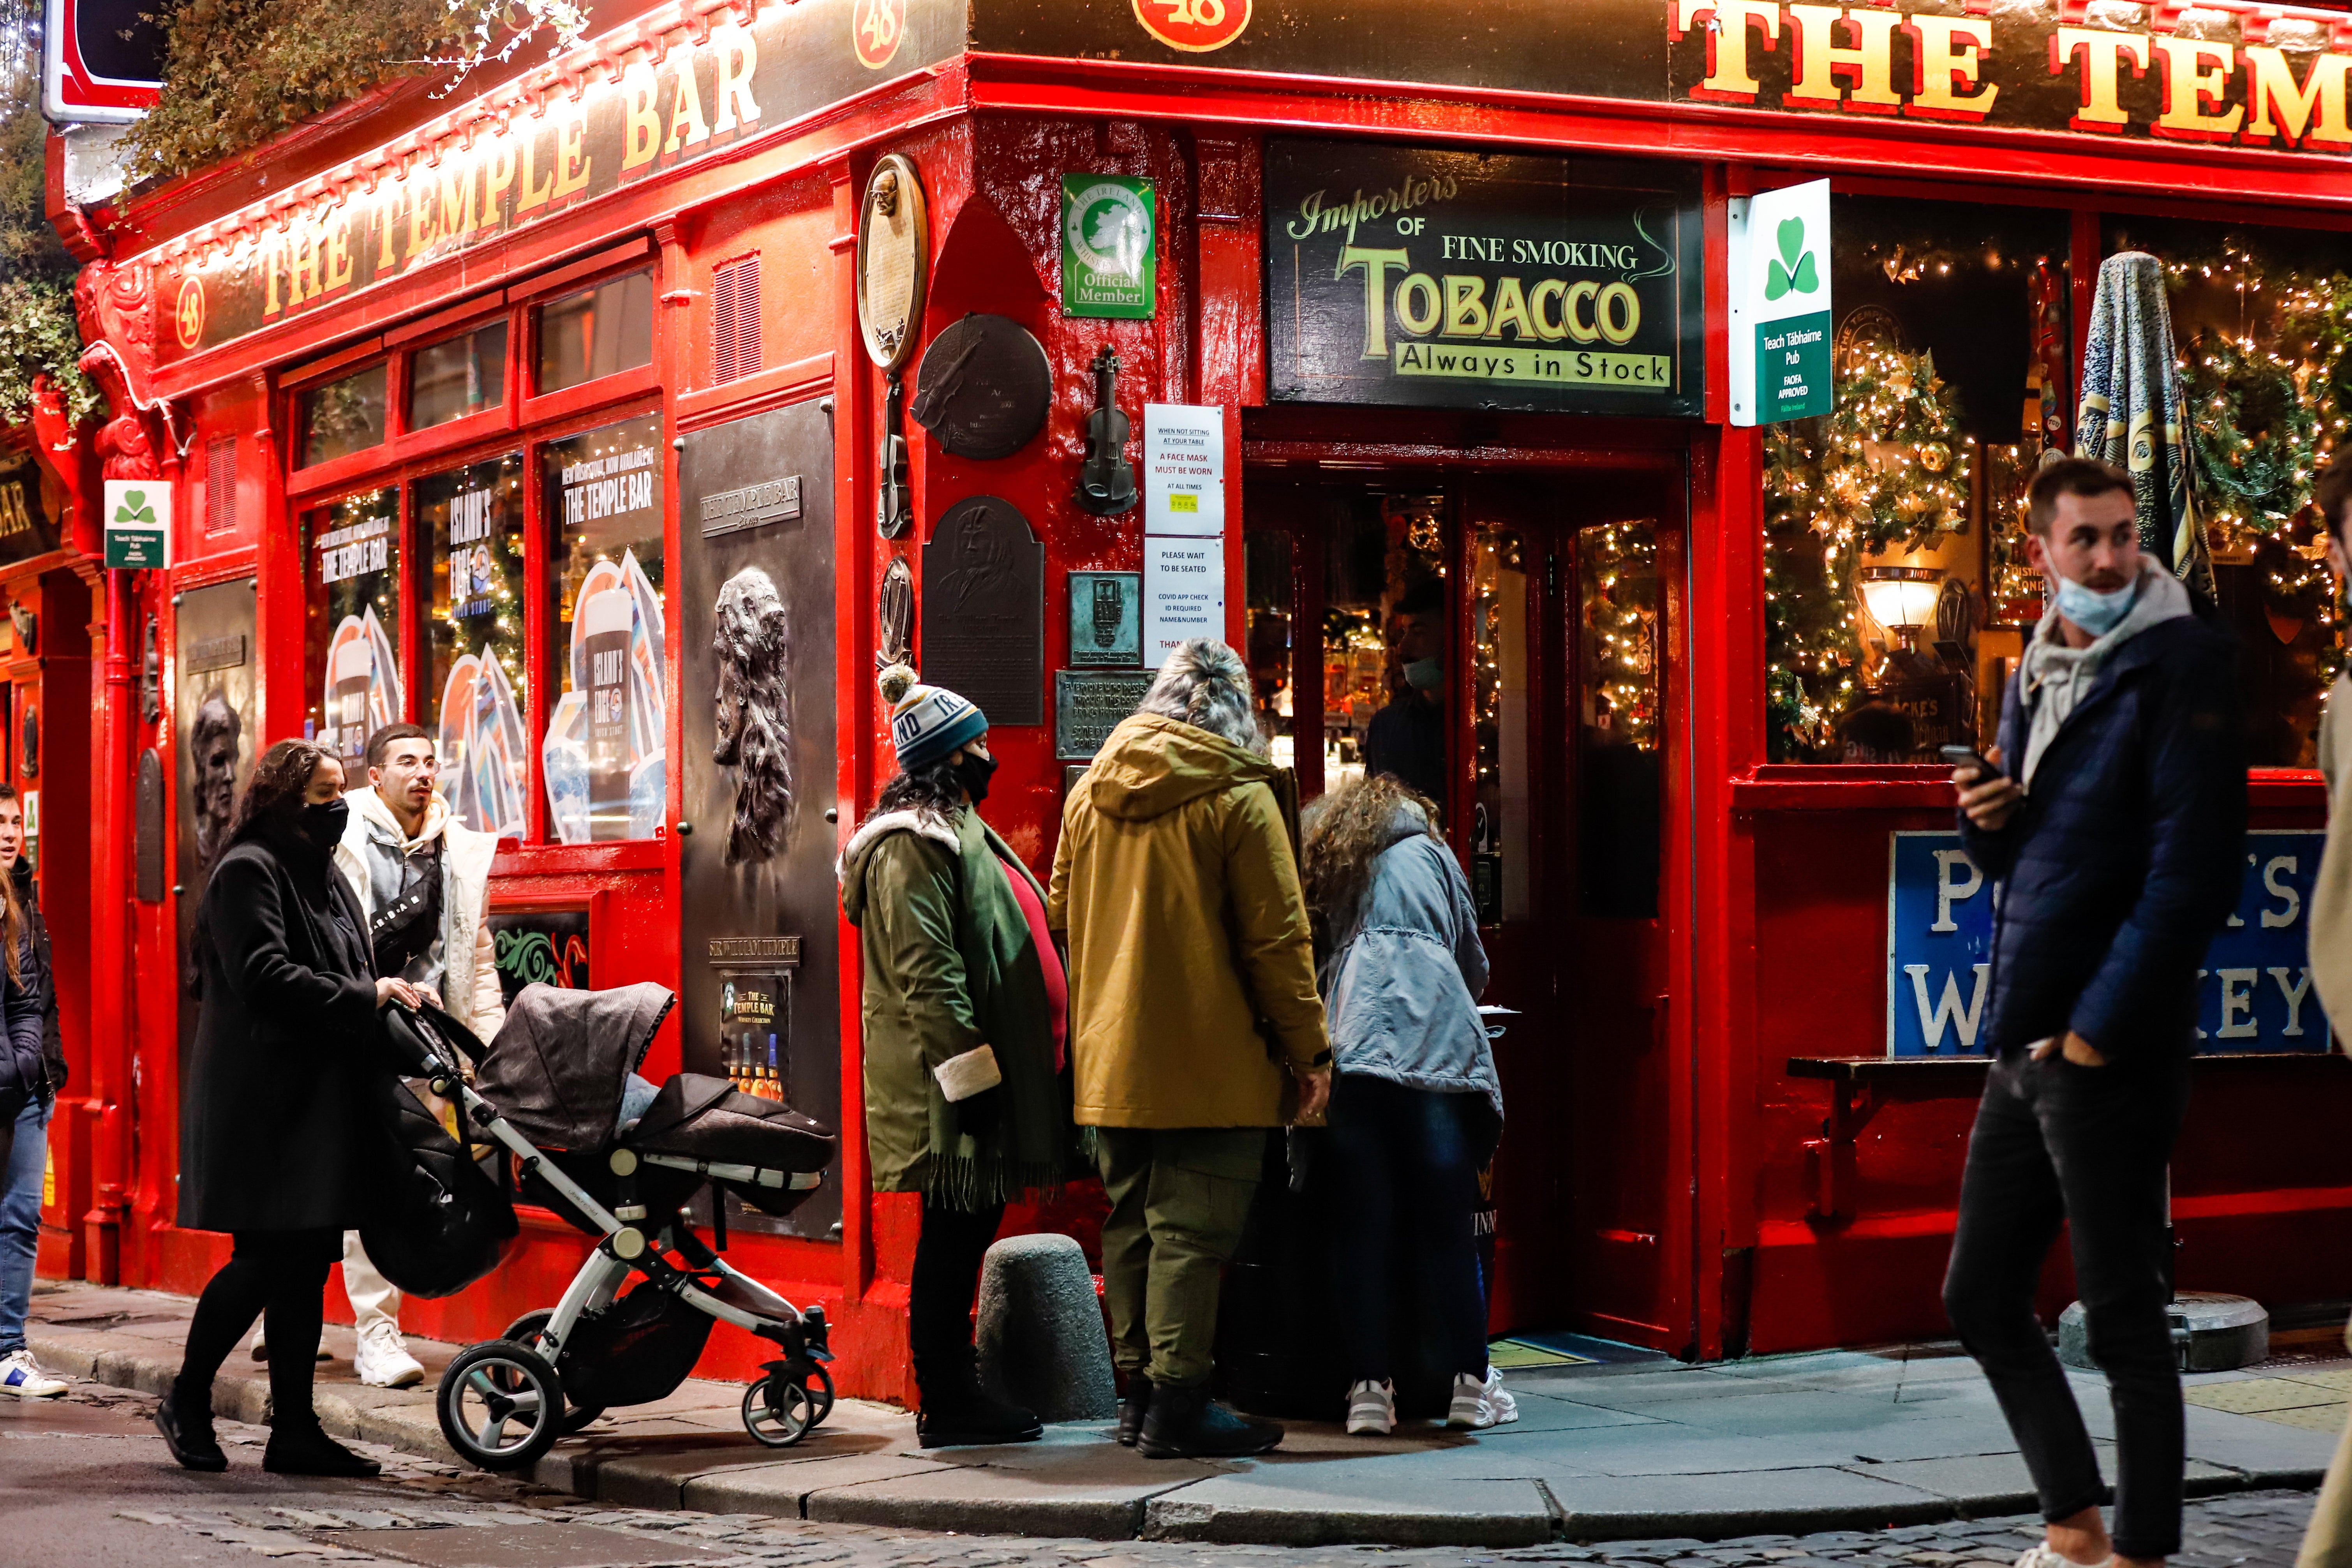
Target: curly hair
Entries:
(1205, 684)
(754, 643)
(274, 793)
(1347, 831)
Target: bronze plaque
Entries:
(985, 610)
(776, 951)
(984, 388)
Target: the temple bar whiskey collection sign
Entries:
(1439, 278)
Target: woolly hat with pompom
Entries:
(927, 723)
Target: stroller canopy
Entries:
(557, 1069)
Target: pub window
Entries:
(1266, 556)
(352, 624)
(1891, 618)
(598, 332)
(343, 417)
(603, 759)
(1501, 818)
(2260, 327)
(458, 376)
(1617, 714)
(471, 519)
(1385, 628)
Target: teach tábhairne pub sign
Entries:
(1451, 279)
(390, 212)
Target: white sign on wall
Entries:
(1184, 593)
(1781, 313)
(1184, 468)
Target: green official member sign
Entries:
(137, 523)
(1109, 247)
(1779, 339)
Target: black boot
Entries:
(963, 1413)
(305, 1450)
(1185, 1424)
(187, 1428)
(1131, 1409)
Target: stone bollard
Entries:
(1041, 1329)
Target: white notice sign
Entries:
(1183, 594)
(1184, 468)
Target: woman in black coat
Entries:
(276, 1144)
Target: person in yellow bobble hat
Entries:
(2328, 1542)
(1194, 1012)
(963, 1018)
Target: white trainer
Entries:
(1470, 1409)
(1500, 1400)
(21, 1375)
(2041, 1556)
(1372, 1408)
(383, 1359)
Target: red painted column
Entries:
(112, 965)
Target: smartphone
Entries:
(1967, 757)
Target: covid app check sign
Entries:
(2253, 995)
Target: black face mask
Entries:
(974, 773)
(320, 825)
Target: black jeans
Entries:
(940, 1295)
(1410, 1153)
(280, 1276)
(2087, 1146)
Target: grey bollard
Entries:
(1041, 1329)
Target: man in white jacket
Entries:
(421, 879)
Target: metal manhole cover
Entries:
(522, 1546)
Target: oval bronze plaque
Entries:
(984, 388)
(893, 247)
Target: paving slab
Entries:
(1293, 1506)
(1091, 1494)
(1746, 1503)
(785, 1487)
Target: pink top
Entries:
(1049, 960)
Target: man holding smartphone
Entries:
(2115, 830)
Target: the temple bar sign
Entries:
(1454, 279)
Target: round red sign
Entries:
(875, 27)
(188, 311)
(1196, 26)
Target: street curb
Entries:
(405, 1419)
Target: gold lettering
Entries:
(1465, 306)
(534, 194)
(454, 191)
(1510, 310)
(572, 161)
(497, 180)
(2102, 53)
(1576, 317)
(1376, 264)
(1620, 313)
(1950, 50)
(307, 248)
(339, 248)
(2269, 84)
(271, 253)
(2188, 82)
(686, 123)
(1553, 327)
(1728, 73)
(1818, 58)
(422, 230)
(643, 133)
(387, 209)
(1416, 304)
(737, 57)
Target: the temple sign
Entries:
(2255, 991)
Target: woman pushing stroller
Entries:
(965, 1016)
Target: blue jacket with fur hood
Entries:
(1402, 981)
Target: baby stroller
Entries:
(552, 1089)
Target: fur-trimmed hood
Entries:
(849, 870)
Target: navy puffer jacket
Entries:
(2117, 871)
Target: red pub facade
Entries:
(629, 401)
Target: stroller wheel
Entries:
(525, 1331)
(778, 1412)
(820, 1387)
(501, 1406)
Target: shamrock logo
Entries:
(134, 508)
(1794, 271)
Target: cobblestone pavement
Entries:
(438, 1515)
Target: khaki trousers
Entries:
(1178, 1200)
(374, 1298)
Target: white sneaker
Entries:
(383, 1359)
(260, 1350)
(1470, 1408)
(22, 1376)
(2041, 1556)
(1372, 1408)
(1499, 1399)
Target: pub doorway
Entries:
(1503, 640)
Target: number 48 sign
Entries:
(2253, 994)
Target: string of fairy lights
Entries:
(1618, 579)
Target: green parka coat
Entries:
(951, 965)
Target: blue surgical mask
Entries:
(2095, 613)
(1424, 674)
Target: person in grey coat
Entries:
(1416, 1107)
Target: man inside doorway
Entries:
(421, 878)
(1407, 739)
(2115, 827)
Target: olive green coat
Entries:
(951, 965)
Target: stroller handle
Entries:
(426, 1041)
